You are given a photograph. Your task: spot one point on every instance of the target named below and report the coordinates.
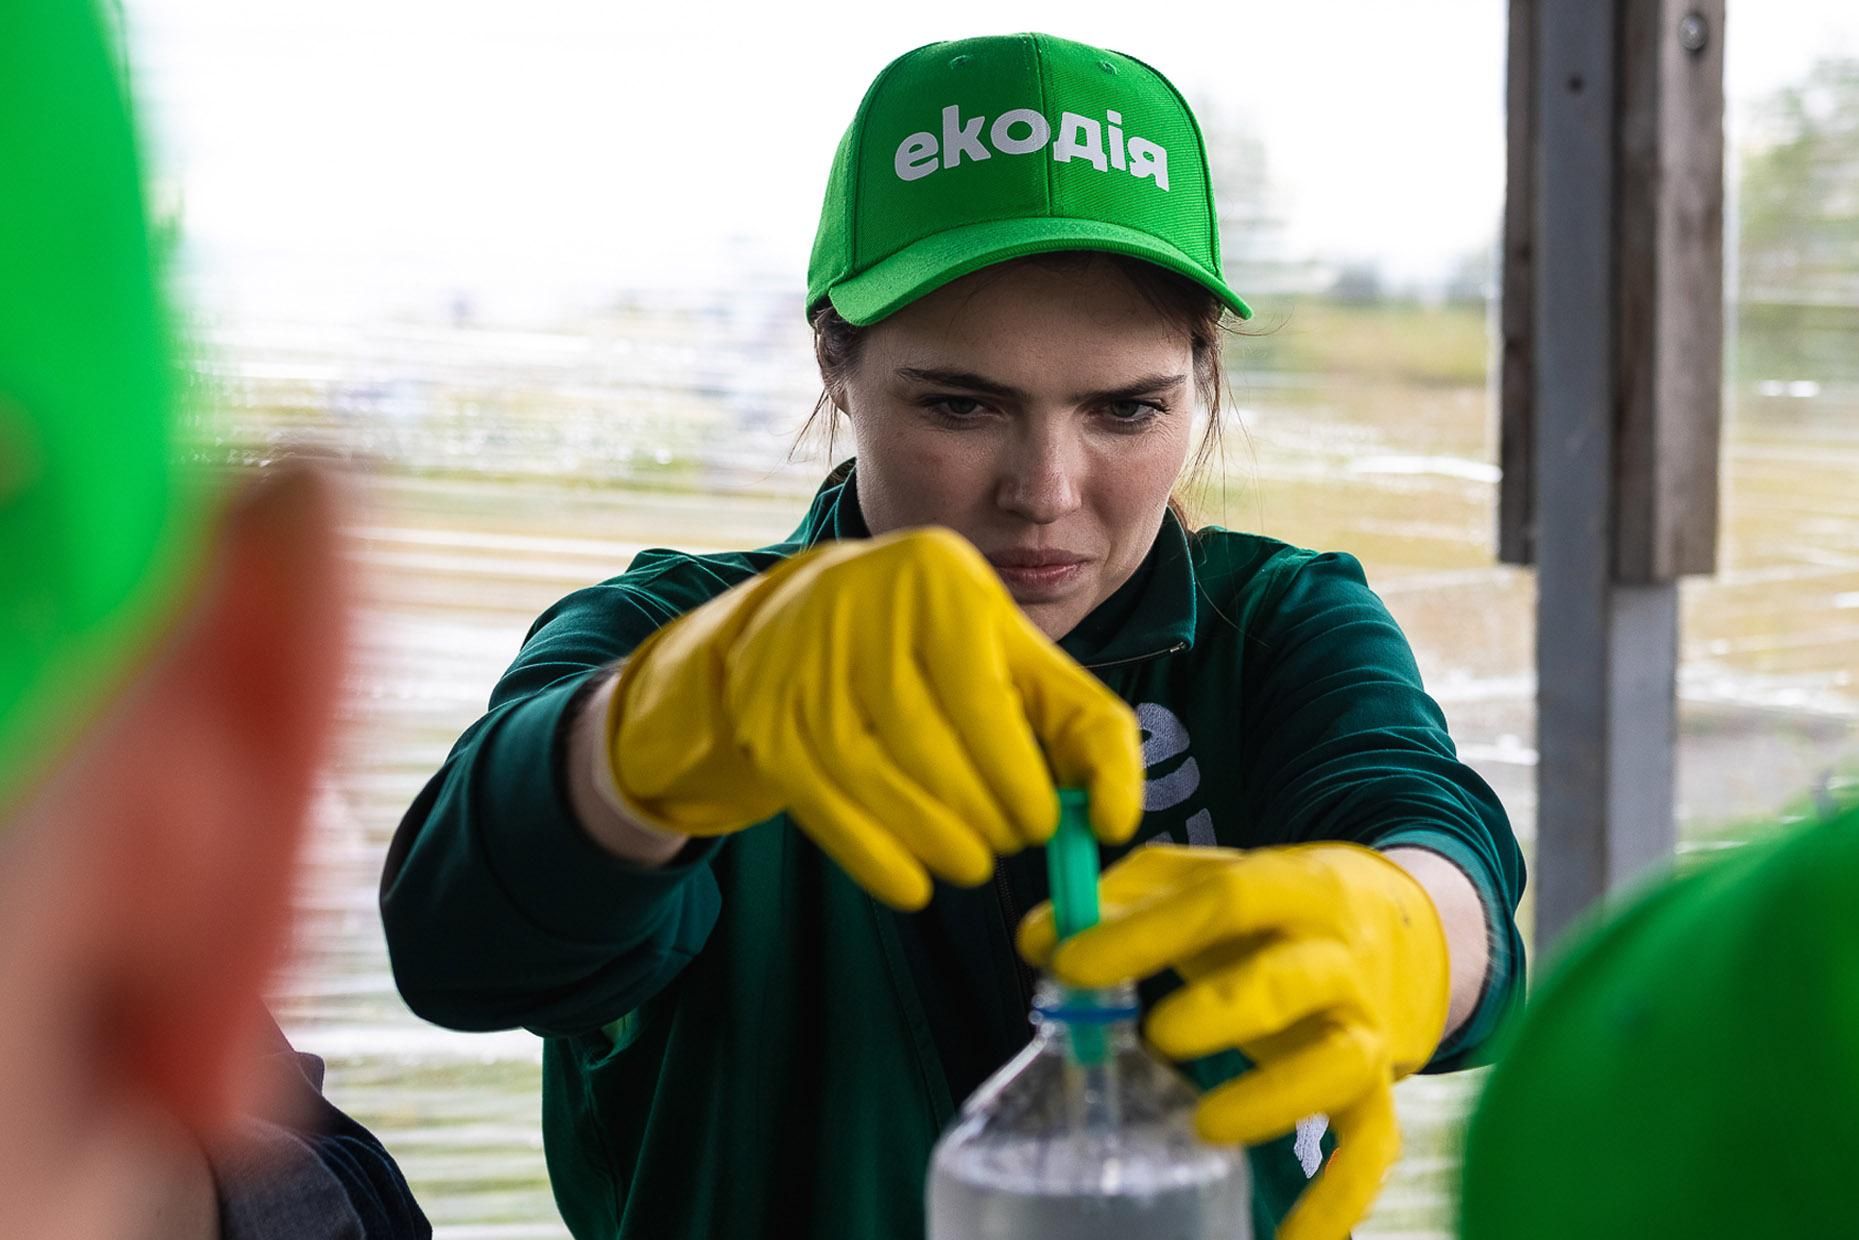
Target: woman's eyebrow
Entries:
(968, 381)
(1147, 385)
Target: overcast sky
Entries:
(341, 157)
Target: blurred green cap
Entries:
(972, 152)
(1691, 1067)
(93, 522)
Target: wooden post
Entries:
(1669, 239)
(1610, 383)
(1516, 376)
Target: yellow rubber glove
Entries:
(892, 697)
(1326, 964)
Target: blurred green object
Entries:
(1691, 1067)
(95, 524)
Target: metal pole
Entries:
(1606, 653)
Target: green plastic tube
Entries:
(1071, 871)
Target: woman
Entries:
(661, 847)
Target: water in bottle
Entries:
(1085, 1135)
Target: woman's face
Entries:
(1042, 414)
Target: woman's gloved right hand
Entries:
(892, 697)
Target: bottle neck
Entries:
(1058, 1008)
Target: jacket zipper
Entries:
(1177, 648)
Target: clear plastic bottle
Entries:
(1085, 1135)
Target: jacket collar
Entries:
(1152, 613)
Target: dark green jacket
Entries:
(744, 1043)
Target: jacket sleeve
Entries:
(499, 909)
(315, 1174)
(1346, 744)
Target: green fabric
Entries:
(972, 152)
(93, 522)
(744, 1043)
(1690, 1067)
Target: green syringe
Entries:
(1071, 871)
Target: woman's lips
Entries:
(1038, 573)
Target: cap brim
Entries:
(927, 265)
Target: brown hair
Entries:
(1189, 306)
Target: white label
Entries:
(1023, 131)
(916, 157)
(1148, 160)
(1080, 137)
(1036, 135)
(959, 139)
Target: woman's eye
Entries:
(955, 406)
(1130, 410)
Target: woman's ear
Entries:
(832, 381)
(837, 348)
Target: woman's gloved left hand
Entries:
(1326, 964)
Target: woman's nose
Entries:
(1041, 481)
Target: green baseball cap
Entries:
(95, 526)
(973, 152)
(1691, 1066)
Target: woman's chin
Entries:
(1054, 617)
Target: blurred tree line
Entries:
(1797, 276)
(1796, 261)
